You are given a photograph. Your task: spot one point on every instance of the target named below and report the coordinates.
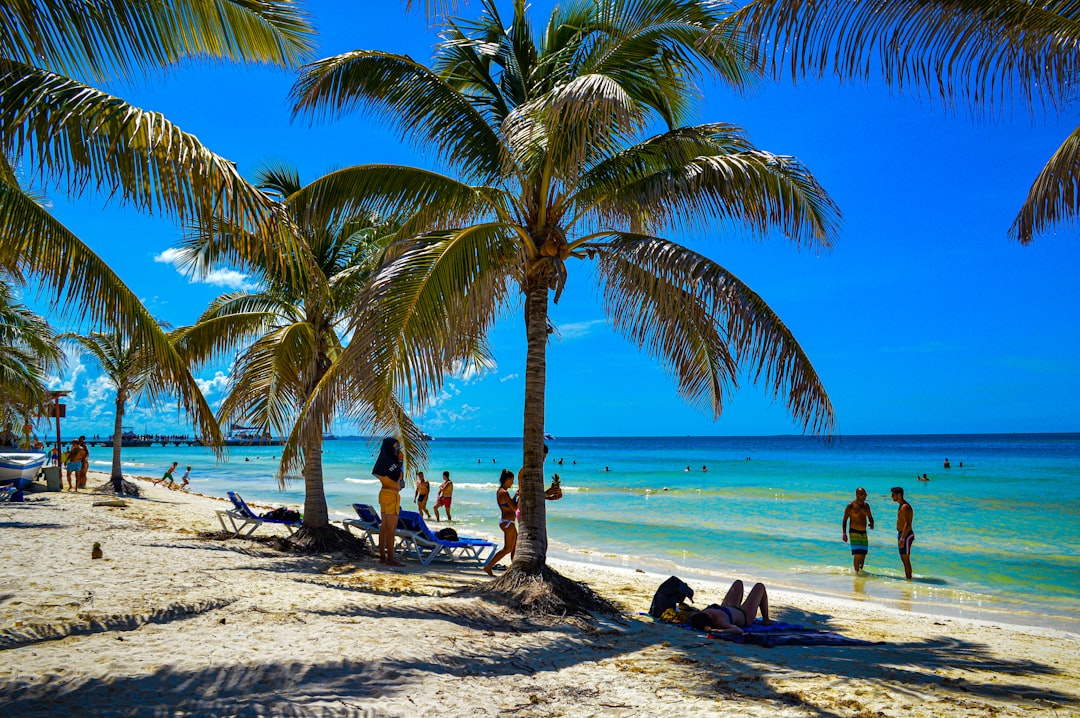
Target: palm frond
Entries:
(81, 283)
(705, 323)
(1054, 196)
(407, 94)
(756, 189)
(972, 53)
(73, 135)
(110, 39)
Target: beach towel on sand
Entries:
(783, 634)
(789, 634)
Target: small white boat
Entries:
(15, 465)
(549, 437)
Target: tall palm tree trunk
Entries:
(117, 476)
(316, 515)
(531, 554)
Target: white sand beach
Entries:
(168, 623)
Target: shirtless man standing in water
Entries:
(905, 535)
(857, 517)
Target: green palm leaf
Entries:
(704, 323)
(1054, 196)
(976, 53)
(108, 39)
(422, 105)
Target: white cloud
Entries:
(507, 378)
(440, 417)
(219, 382)
(468, 372)
(576, 330)
(226, 278)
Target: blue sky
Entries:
(924, 317)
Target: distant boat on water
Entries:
(427, 437)
(250, 436)
(548, 436)
(329, 437)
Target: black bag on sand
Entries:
(670, 594)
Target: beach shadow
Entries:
(41, 632)
(24, 524)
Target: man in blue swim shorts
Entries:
(857, 518)
(905, 534)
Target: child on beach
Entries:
(184, 479)
(445, 496)
(508, 523)
(168, 475)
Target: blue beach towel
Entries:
(780, 634)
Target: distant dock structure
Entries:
(129, 439)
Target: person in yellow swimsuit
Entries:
(388, 471)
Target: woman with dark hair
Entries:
(389, 473)
(734, 614)
(508, 506)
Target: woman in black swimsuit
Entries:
(733, 614)
(508, 509)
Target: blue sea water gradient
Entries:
(998, 537)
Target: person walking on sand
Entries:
(508, 523)
(857, 518)
(445, 496)
(168, 475)
(420, 497)
(388, 471)
(905, 534)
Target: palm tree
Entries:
(56, 126)
(132, 370)
(547, 136)
(28, 350)
(972, 54)
(289, 331)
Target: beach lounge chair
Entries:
(368, 522)
(420, 541)
(240, 517)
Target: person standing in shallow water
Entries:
(420, 496)
(445, 497)
(388, 470)
(905, 534)
(857, 518)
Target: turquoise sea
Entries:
(996, 538)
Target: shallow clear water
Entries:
(997, 538)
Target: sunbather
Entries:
(734, 614)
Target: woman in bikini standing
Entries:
(508, 506)
(734, 614)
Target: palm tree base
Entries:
(323, 539)
(545, 593)
(127, 488)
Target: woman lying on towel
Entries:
(733, 614)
